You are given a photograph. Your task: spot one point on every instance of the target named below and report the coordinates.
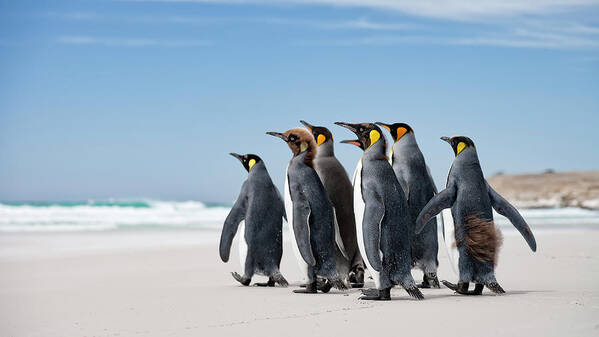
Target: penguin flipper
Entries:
(439, 202)
(371, 228)
(506, 209)
(301, 226)
(236, 215)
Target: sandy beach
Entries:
(112, 288)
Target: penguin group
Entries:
(384, 220)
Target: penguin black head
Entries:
(368, 134)
(248, 160)
(320, 133)
(397, 130)
(459, 143)
(299, 141)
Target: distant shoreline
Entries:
(549, 189)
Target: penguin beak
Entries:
(352, 127)
(353, 142)
(386, 126)
(307, 125)
(277, 134)
(238, 156)
(447, 139)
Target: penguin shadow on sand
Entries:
(443, 293)
(511, 293)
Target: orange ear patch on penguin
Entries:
(401, 131)
(320, 139)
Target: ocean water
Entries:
(143, 214)
(109, 215)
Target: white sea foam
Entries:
(552, 217)
(106, 216)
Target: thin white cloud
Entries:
(518, 40)
(85, 16)
(561, 26)
(447, 9)
(357, 24)
(129, 42)
(563, 43)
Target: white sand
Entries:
(115, 284)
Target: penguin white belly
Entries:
(449, 238)
(303, 266)
(359, 208)
(243, 246)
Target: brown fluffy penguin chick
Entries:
(297, 139)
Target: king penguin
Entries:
(418, 186)
(339, 188)
(383, 225)
(311, 214)
(472, 201)
(260, 211)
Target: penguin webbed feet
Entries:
(414, 292)
(430, 280)
(241, 279)
(278, 278)
(272, 280)
(324, 285)
(369, 291)
(356, 277)
(310, 288)
(321, 283)
(376, 295)
(462, 288)
(336, 283)
(495, 287)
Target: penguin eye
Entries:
(361, 129)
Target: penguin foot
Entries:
(243, 280)
(369, 292)
(376, 295)
(462, 288)
(429, 280)
(278, 278)
(320, 282)
(356, 277)
(415, 293)
(450, 285)
(309, 289)
(478, 289)
(495, 287)
(337, 283)
(326, 287)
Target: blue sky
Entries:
(125, 99)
